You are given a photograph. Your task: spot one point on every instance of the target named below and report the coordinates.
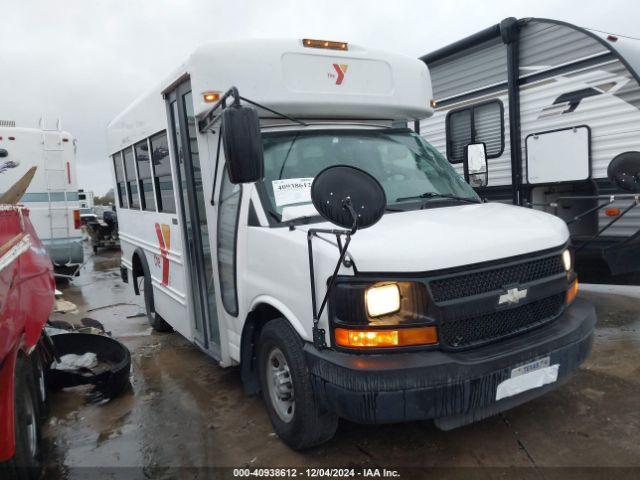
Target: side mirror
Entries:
(475, 165)
(624, 171)
(242, 144)
(348, 197)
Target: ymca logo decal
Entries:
(163, 233)
(340, 71)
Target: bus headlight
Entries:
(566, 260)
(382, 299)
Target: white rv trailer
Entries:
(85, 199)
(52, 196)
(433, 312)
(555, 104)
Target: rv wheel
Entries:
(155, 320)
(26, 463)
(293, 409)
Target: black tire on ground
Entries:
(26, 463)
(95, 249)
(310, 424)
(155, 320)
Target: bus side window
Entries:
(122, 191)
(145, 179)
(130, 175)
(228, 209)
(162, 173)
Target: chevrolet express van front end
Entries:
(506, 332)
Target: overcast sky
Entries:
(86, 60)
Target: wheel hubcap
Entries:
(280, 385)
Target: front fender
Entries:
(295, 322)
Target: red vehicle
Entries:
(26, 298)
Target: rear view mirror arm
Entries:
(318, 333)
(215, 171)
(210, 117)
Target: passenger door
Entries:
(198, 255)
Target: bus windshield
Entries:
(410, 170)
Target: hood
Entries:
(438, 238)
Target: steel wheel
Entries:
(280, 385)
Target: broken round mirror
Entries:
(335, 186)
(624, 171)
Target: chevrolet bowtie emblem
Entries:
(513, 296)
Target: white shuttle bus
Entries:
(52, 196)
(276, 211)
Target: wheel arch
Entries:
(263, 310)
(140, 268)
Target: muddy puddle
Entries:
(183, 412)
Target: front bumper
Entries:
(453, 388)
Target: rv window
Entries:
(56, 196)
(145, 176)
(72, 196)
(162, 173)
(120, 182)
(458, 134)
(482, 123)
(130, 174)
(229, 206)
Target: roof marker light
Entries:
(211, 97)
(612, 38)
(312, 43)
(612, 212)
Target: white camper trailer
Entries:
(52, 196)
(227, 176)
(558, 108)
(85, 199)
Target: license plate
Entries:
(529, 376)
(530, 367)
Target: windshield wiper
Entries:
(439, 195)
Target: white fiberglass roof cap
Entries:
(313, 82)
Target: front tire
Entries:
(293, 409)
(26, 463)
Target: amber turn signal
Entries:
(612, 212)
(211, 97)
(402, 337)
(571, 292)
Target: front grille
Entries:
(470, 332)
(475, 283)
